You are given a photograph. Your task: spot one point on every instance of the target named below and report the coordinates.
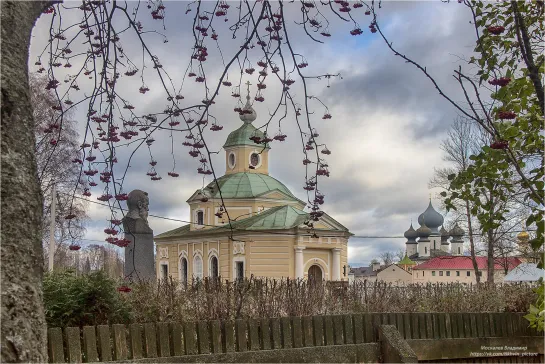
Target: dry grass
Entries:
(216, 299)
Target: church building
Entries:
(259, 229)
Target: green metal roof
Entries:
(406, 261)
(242, 135)
(245, 185)
(276, 218)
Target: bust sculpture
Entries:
(136, 220)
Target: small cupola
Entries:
(246, 148)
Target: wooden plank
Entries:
(454, 323)
(504, 326)
(318, 323)
(368, 328)
(240, 331)
(297, 332)
(203, 342)
(308, 332)
(480, 325)
(338, 329)
(229, 334)
(73, 344)
(400, 324)
(121, 350)
(429, 325)
(253, 334)
(150, 340)
(135, 341)
(407, 324)
(448, 326)
(276, 333)
(473, 325)
(509, 324)
(287, 339)
(265, 331)
(493, 332)
(486, 325)
(177, 339)
(377, 321)
(414, 325)
(163, 337)
(215, 336)
(90, 344)
(392, 320)
(348, 329)
(104, 340)
(358, 329)
(55, 344)
(384, 319)
(423, 329)
(467, 325)
(329, 336)
(440, 324)
(190, 338)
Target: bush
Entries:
(85, 299)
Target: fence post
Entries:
(104, 342)
(318, 323)
(164, 339)
(215, 336)
(73, 344)
(135, 341)
(120, 342)
(240, 329)
(150, 340)
(56, 345)
(90, 344)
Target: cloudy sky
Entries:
(388, 119)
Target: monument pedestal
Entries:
(139, 254)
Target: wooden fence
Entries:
(154, 340)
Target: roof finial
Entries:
(248, 96)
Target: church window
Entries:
(254, 159)
(200, 217)
(164, 271)
(459, 250)
(197, 267)
(239, 270)
(232, 160)
(433, 273)
(425, 250)
(183, 270)
(457, 273)
(448, 273)
(214, 273)
(480, 273)
(440, 273)
(468, 273)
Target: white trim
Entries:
(160, 273)
(213, 253)
(236, 259)
(260, 161)
(196, 220)
(231, 153)
(196, 255)
(321, 263)
(183, 256)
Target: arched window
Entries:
(213, 267)
(183, 270)
(200, 217)
(197, 266)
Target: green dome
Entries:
(245, 185)
(242, 135)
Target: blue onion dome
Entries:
(411, 235)
(423, 232)
(444, 235)
(432, 218)
(457, 231)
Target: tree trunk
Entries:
(472, 243)
(23, 332)
(490, 233)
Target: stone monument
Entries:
(139, 254)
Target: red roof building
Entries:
(465, 262)
(460, 269)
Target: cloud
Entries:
(388, 119)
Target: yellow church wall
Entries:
(242, 162)
(270, 257)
